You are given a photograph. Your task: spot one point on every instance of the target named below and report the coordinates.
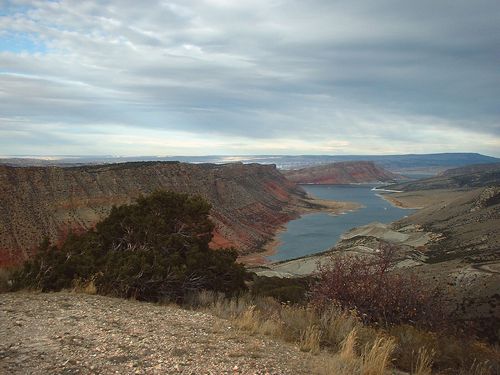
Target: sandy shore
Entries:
(399, 203)
(421, 198)
(271, 247)
(332, 207)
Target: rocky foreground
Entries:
(67, 333)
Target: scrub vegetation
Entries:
(155, 249)
(356, 316)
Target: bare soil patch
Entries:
(67, 333)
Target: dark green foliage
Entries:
(154, 249)
(287, 290)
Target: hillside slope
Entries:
(249, 201)
(468, 224)
(454, 243)
(341, 173)
(473, 176)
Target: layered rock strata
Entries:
(341, 173)
(249, 201)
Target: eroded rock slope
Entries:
(249, 201)
(341, 173)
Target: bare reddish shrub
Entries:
(380, 295)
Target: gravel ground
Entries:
(66, 333)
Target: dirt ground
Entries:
(67, 333)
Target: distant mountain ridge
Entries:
(412, 164)
(341, 173)
(471, 169)
(250, 201)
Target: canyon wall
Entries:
(341, 173)
(250, 202)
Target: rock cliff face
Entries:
(249, 201)
(341, 173)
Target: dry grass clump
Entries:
(456, 354)
(218, 304)
(5, 275)
(336, 324)
(249, 320)
(311, 329)
(342, 345)
(423, 363)
(347, 351)
(86, 287)
(310, 338)
(376, 358)
(409, 340)
(481, 368)
(296, 320)
(332, 364)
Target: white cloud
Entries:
(252, 76)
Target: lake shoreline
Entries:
(311, 234)
(331, 207)
(397, 203)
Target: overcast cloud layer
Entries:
(249, 77)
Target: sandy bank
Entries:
(420, 198)
(332, 207)
(397, 201)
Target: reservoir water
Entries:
(317, 232)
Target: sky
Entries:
(243, 77)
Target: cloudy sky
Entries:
(190, 77)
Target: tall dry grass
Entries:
(342, 345)
(423, 363)
(377, 357)
(310, 338)
(348, 349)
(481, 368)
(309, 329)
(373, 360)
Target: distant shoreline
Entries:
(388, 190)
(397, 203)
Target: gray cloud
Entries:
(298, 76)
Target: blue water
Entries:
(317, 232)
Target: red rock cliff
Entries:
(341, 173)
(249, 201)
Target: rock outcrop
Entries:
(250, 202)
(341, 173)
